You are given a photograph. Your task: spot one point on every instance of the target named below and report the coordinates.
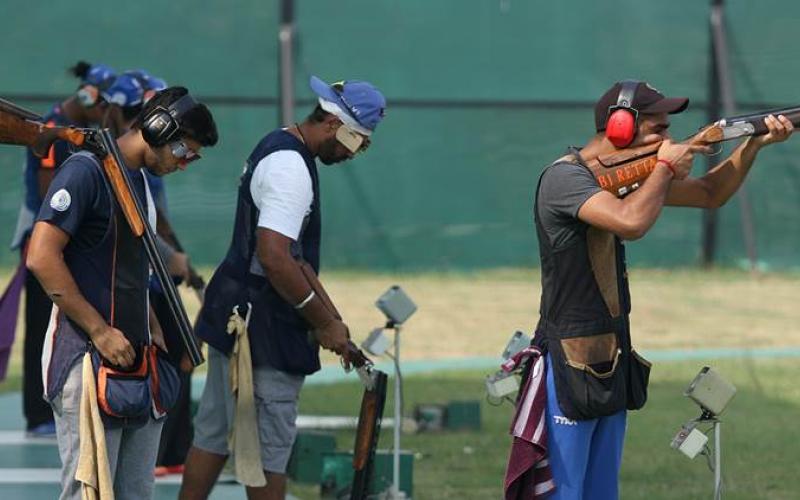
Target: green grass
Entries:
(760, 435)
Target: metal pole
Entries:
(717, 462)
(709, 236)
(286, 42)
(725, 94)
(398, 417)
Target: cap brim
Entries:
(323, 89)
(669, 105)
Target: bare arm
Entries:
(285, 275)
(631, 217)
(46, 261)
(720, 183)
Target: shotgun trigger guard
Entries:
(717, 151)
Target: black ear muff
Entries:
(161, 124)
(622, 120)
(88, 95)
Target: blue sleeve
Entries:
(72, 195)
(158, 191)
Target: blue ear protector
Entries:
(161, 124)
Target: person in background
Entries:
(86, 107)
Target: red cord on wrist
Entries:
(668, 164)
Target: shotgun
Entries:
(22, 127)
(624, 171)
(372, 402)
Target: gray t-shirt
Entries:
(564, 189)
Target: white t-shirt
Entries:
(282, 191)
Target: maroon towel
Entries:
(528, 474)
(9, 309)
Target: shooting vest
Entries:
(279, 336)
(584, 322)
(113, 277)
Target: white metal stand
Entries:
(395, 493)
(717, 461)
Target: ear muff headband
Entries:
(161, 124)
(622, 120)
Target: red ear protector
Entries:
(622, 120)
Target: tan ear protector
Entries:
(88, 95)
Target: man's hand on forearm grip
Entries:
(329, 330)
(334, 337)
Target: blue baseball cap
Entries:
(357, 103)
(126, 91)
(99, 75)
(150, 83)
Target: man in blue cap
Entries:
(259, 294)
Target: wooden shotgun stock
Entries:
(25, 128)
(367, 434)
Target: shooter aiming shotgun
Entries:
(22, 127)
(624, 171)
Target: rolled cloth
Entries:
(243, 438)
(93, 470)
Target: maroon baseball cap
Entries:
(646, 100)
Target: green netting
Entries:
(444, 186)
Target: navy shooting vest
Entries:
(279, 336)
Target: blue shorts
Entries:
(584, 455)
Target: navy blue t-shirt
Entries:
(78, 201)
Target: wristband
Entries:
(305, 301)
(668, 164)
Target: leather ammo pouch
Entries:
(127, 397)
(596, 375)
